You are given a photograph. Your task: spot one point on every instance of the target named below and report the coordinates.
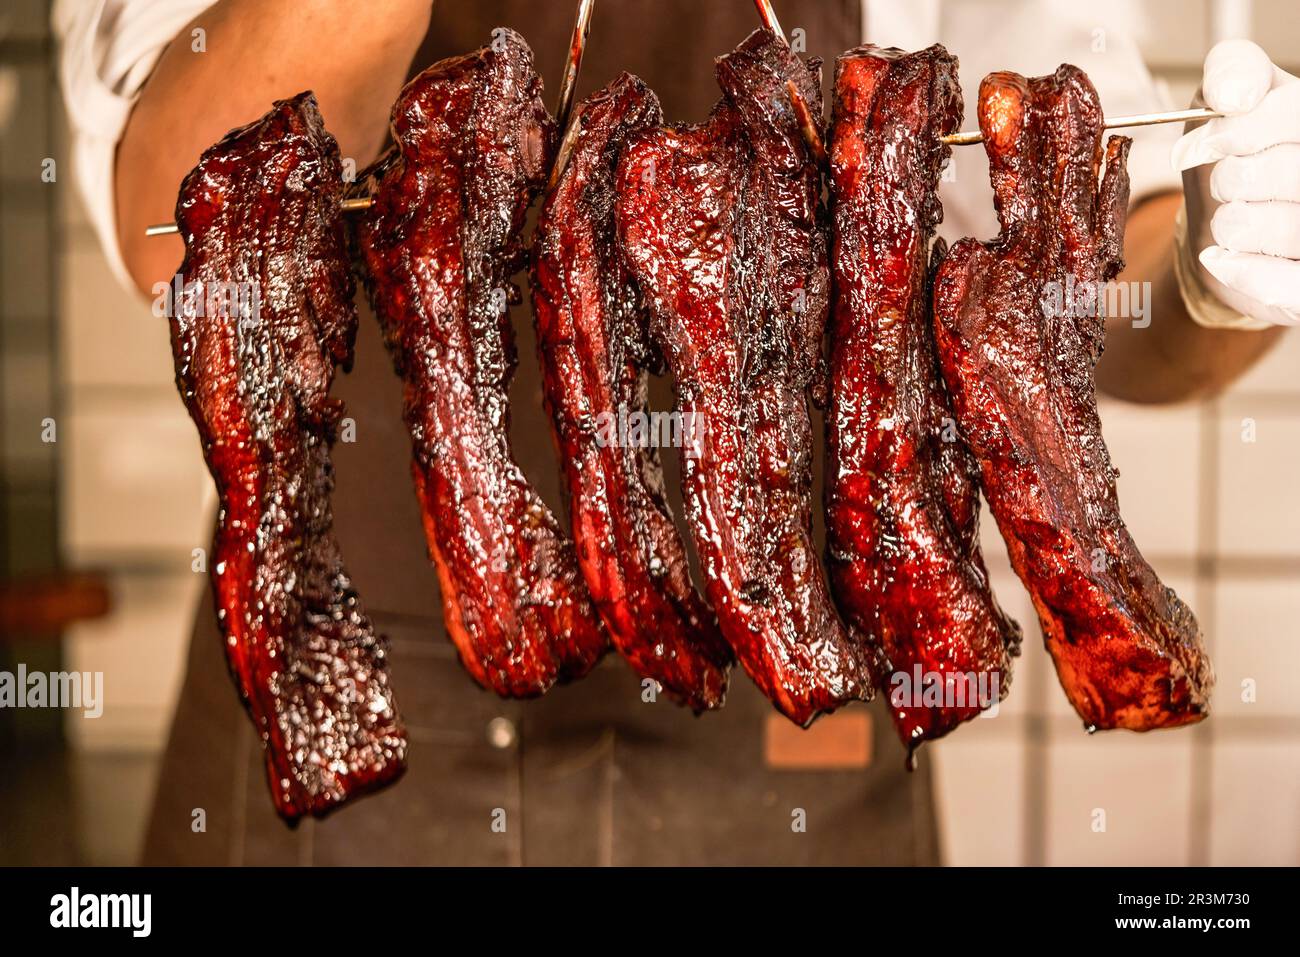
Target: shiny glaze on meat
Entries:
(720, 223)
(902, 500)
(1128, 652)
(593, 342)
(262, 208)
(440, 244)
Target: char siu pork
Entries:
(721, 224)
(265, 317)
(439, 246)
(1019, 331)
(902, 499)
(592, 332)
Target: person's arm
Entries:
(255, 52)
(1225, 288)
(1172, 358)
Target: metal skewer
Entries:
(577, 46)
(808, 124)
(1114, 123)
(768, 16)
(347, 205)
(564, 106)
(568, 86)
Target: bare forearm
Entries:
(255, 52)
(1172, 359)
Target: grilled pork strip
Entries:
(721, 226)
(595, 353)
(439, 245)
(1019, 335)
(902, 499)
(254, 364)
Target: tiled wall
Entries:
(1219, 519)
(30, 400)
(134, 494)
(136, 497)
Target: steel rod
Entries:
(1114, 123)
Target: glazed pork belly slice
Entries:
(593, 340)
(902, 494)
(439, 245)
(265, 318)
(1019, 336)
(722, 225)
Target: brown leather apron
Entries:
(588, 774)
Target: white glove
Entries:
(1254, 264)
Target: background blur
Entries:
(122, 491)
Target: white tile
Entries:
(109, 336)
(135, 484)
(1184, 583)
(1255, 817)
(1276, 372)
(114, 799)
(1031, 679)
(1157, 452)
(27, 400)
(1277, 29)
(1257, 648)
(72, 210)
(140, 649)
(1168, 32)
(1259, 511)
(979, 799)
(1180, 86)
(1137, 786)
(991, 543)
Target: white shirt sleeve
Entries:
(1033, 37)
(108, 49)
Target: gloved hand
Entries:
(1243, 213)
